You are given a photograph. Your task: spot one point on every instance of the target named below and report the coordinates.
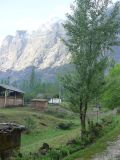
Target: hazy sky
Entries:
(29, 14)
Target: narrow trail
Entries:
(111, 153)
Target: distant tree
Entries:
(5, 81)
(91, 31)
(32, 78)
(14, 84)
(2, 81)
(111, 93)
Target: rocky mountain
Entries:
(42, 48)
(11, 50)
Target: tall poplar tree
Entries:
(92, 29)
(32, 78)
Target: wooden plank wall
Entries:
(39, 105)
(11, 101)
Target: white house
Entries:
(54, 101)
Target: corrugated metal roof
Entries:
(8, 87)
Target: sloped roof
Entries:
(8, 87)
(39, 100)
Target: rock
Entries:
(70, 142)
(44, 149)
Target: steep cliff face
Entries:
(11, 49)
(42, 48)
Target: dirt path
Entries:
(112, 152)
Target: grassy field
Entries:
(43, 129)
(100, 145)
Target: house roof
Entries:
(39, 100)
(8, 87)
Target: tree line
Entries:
(34, 87)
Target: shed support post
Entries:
(5, 98)
(23, 99)
(15, 99)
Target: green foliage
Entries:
(91, 33)
(118, 111)
(14, 84)
(32, 77)
(55, 154)
(111, 93)
(40, 89)
(30, 124)
(65, 126)
(89, 36)
(5, 81)
(110, 134)
(29, 95)
(58, 154)
(33, 87)
(95, 131)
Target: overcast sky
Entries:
(29, 14)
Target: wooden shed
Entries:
(40, 104)
(11, 96)
(10, 139)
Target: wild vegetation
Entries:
(34, 87)
(110, 96)
(56, 134)
(92, 30)
(61, 133)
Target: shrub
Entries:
(55, 154)
(118, 110)
(107, 120)
(30, 124)
(94, 129)
(65, 126)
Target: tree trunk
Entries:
(83, 109)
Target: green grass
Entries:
(99, 146)
(54, 138)
(48, 133)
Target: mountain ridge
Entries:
(42, 49)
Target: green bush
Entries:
(94, 129)
(118, 110)
(111, 93)
(65, 126)
(55, 154)
(30, 124)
